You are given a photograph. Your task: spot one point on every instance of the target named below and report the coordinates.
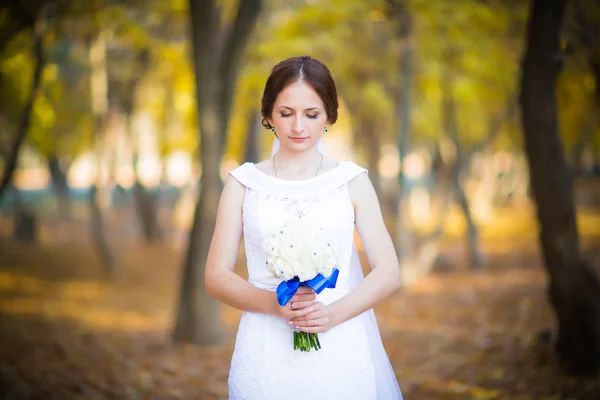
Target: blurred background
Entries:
(120, 119)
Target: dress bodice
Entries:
(270, 203)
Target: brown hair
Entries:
(297, 69)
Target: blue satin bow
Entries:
(287, 289)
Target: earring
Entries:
(326, 130)
(273, 130)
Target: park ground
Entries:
(67, 331)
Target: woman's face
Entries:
(298, 117)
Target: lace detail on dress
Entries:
(264, 213)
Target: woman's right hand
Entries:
(300, 304)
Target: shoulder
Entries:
(242, 174)
(359, 186)
(355, 170)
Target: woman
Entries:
(299, 101)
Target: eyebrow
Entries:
(307, 109)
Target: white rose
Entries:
(301, 249)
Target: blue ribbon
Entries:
(287, 289)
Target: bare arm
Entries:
(222, 282)
(383, 280)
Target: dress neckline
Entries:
(297, 181)
(257, 180)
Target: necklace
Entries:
(316, 173)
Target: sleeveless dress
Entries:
(264, 363)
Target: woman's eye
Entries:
(315, 116)
(285, 115)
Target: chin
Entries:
(300, 147)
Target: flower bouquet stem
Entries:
(304, 341)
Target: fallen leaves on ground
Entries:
(67, 331)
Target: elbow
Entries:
(395, 280)
(210, 283)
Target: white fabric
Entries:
(352, 363)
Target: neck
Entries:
(297, 162)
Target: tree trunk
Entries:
(19, 17)
(230, 62)
(475, 259)
(24, 221)
(13, 155)
(595, 67)
(252, 137)
(373, 142)
(460, 161)
(404, 235)
(99, 106)
(574, 289)
(198, 314)
(61, 187)
(107, 257)
(146, 206)
(145, 202)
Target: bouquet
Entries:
(301, 254)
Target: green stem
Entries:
(305, 341)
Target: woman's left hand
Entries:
(318, 321)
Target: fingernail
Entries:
(291, 322)
(310, 309)
(315, 301)
(297, 327)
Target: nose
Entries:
(298, 126)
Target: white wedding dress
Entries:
(352, 363)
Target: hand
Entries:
(300, 304)
(316, 321)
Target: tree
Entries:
(451, 128)
(25, 118)
(146, 202)
(217, 51)
(574, 289)
(100, 109)
(403, 111)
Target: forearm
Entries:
(377, 286)
(233, 290)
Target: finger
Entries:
(313, 315)
(301, 323)
(311, 322)
(313, 329)
(291, 314)
(305, 290)
(303, 297)
(317, 307)
(298, 305)
(300, 313)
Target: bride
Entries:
(298, 104)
